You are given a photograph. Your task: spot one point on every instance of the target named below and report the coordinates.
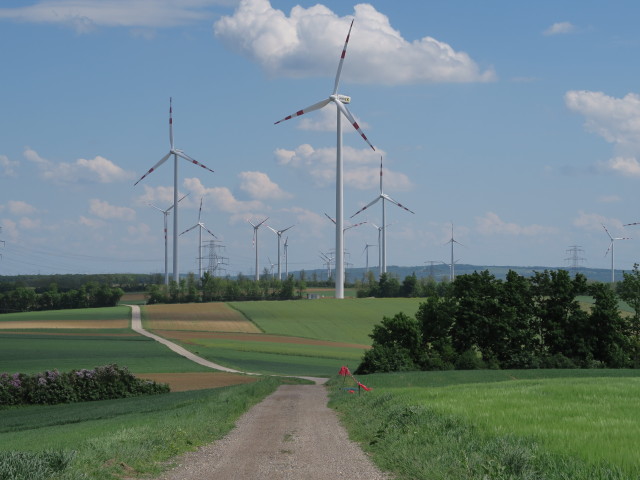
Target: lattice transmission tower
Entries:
(574, 258)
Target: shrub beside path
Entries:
(290, 435)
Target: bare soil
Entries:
(182, 382)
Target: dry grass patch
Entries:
(71, 324)
(181, 382)
(207, 317)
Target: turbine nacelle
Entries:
(344, 99)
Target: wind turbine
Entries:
(176, 153)
(340, 101)
(611, 245)
(382, 196)
(286, 257)
(279, 234)
(202, 227)
(166, 247)
(256, 226)
(348, 227)
(452, 266)
(380, 230)
(366, 249)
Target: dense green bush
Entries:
(52, 387)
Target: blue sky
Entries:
(518, 123)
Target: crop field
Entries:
(207, 317)
(85, 318)
(578, 424)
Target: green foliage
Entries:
(33, 465)
(52, 387)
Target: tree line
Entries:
(90, 295)
(519, 322)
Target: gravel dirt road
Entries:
(292, 434)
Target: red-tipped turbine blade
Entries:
(605, 229)
(181, 154)
(345, 111)
(396, 203)
(380, 174)
(315, 106)
(170, 123)
(164, 159)
(200, 211)
(344, 53)
(189, 229)
(366, 206)
(210, 232)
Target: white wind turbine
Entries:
(340, 101)
(166, 247)
(286, 257)
(202, 227)
(176, 153)
(382, 196)
(279, 234)
(611, 245)
(452, 265)
(366, 250)
(348, 227)
(256, 226)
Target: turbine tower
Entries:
(286, 257)
(366, 250)
(256, 226)
(202, 227)
(382, 196)
(166, 247)
(176, 153)
(611, 245)
(348, 227)
(453, 262)
(340, 101)
(279, 234)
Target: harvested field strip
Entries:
(74, 333)
(71, 324)
(182, 382)
(252, 337)
(208, 317)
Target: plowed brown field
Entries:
(207, 317)
(181, 382)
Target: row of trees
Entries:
(226, 289)
(25, 299)
(388, 286)
(521, 322)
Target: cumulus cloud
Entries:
(308, 42)
(222, 198)
(18, 207)
(629, 167)
(594, 222)
(492, 224)
(259, 186)
(7, 167)
(90, 222)
(97, 170)
(85, 16)
(320, 165)
(107, 211)
(609, 199)
(560, 28)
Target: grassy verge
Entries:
(477, 425)
(137, 436)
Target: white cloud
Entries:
(7, 167)
(259, 186)
(85, 16)
(308, 42)
(609, 199)
(29, 223)
(560, 28)
(492, 224)
(91, 222)
(324, 120)
(617, 120)
(18, 207)
(10, 230)
(107, 211)
(97, 170)
(594, 222)
(320, 165)
(222, 198)
(629, 167)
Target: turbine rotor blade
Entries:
(344, 53)
(210, 232)
(183, 197)
(387, 197)
(189, 229)
(315, 106)
(345, 111)
(183, 155)
(366, 206)
(605, 229)
(164, 159)
(200, 211)
(170, 123)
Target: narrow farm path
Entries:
(290, 435)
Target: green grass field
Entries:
(349, 320)
(95, 314)
(551, 424)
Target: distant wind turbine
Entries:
(453, 262)
(366, 250)
(382, 196)
(256, 226)
(166, 247)
(611, 247)
(348, 227)
(202, 227)
(176, 153)
(279, 234)
(340, 101)
(286, 257)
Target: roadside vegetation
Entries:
(511, 424)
